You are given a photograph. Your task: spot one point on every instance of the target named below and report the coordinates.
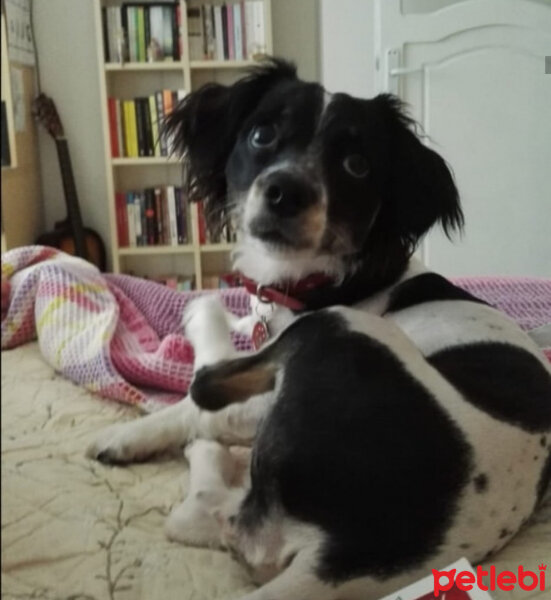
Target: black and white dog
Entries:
(397, 423)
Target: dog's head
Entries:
(314, 181)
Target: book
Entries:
(249, 30)
(231, 37)
(119, 125)
(132, 24)
(183, 222)
(225, 32)
(173, 227)
(105, 35)
(140, 126)
(165, 217)
(131, 134)
(195, 33)
(178, 207)
(243, 31)
(175, 33)
(147, 30)
(237, 32)
(160, 116)
(147, 127)
(111, 32)
(150, 224)
(156, 30)
(218, 33)
(131, 218)
(154, 119)
(179, 31)
(168, 29)
(208, 38)
(140, 28)
(143, 217)
(159, 215)
(113, 137)
(119, 201)
(259, 32)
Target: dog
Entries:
(396, 422)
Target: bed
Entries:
(73, 528)
(76, 529)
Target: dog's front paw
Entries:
(201, 315)
(118, 444)
(206, 326)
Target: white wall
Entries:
(65, 36)
(296, 35)
(346, 42)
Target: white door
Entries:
(474, 74)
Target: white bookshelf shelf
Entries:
(222, 64)
(152, 66)
(123, 173)
(216, 247)
(143, 161)
(147, 250)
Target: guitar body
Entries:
(69, 235)
(62, 238)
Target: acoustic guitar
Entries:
(69, 235)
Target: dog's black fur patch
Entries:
(507, 382)
(401, 483)
(408, 189)
(427, 287)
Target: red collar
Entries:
(284, 294)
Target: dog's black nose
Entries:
(286, 194)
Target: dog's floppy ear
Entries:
(203, 129)
(422, 191)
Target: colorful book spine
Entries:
(140, 27)
(131, 209)
(231, 36)
(119, 126)
(171, 201)
(112, 110)
(225, 32)
(159, 215)
(154, 126)
(237, 32)
(218, 33)
(168, 29)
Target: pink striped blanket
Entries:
(120, 336)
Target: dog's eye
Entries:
(263, 136)
(356, 165)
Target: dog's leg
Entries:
(207, 326)
(139, 439)
(212, 497)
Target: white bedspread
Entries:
(73, 528)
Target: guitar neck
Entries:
(71, 199)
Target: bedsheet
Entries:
(74, 529)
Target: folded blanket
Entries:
(117, 336)
(120, 336)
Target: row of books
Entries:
(176, 282)
(156, 216)
(182, 283)
(227, 234)
(231, 31)
(135, 125)
(142, 32)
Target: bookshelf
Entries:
(127, 80)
